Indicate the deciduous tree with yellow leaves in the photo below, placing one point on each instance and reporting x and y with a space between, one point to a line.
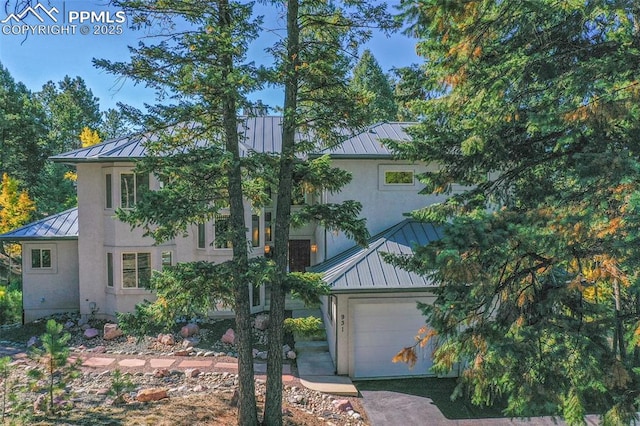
538 297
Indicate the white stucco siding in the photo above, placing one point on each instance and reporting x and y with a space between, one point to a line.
54 289
382 205
91 254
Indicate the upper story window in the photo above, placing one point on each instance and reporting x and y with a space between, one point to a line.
40 258
108 202
396 177
400 177
136 270
202 236
221 226
131 188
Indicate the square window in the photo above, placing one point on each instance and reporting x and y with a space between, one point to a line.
40 258
136 270
166 258
131 188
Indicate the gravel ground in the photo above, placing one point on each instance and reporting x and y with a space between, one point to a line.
91 387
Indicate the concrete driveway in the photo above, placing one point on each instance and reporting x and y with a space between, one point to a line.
395 407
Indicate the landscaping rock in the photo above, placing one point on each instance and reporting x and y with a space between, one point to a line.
111 331
291 355
146 395
190 342
34 341
166 339
91 333
161 372
229 337
343 405
191 373
189 330
261 322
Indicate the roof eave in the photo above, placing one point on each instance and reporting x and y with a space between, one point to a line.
52 238
383 290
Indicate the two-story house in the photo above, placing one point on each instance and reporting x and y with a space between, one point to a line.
86 260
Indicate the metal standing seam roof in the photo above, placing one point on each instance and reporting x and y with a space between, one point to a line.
369 142
261 134
364 269
61 226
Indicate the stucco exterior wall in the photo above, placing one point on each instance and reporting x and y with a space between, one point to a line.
47 291
382 205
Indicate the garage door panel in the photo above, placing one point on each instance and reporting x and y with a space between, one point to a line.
379 332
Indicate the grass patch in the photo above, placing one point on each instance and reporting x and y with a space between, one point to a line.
437 390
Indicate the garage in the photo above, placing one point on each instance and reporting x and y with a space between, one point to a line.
380 328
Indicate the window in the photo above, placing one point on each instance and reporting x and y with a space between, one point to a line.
40 258
399 177
298 196
201 236
255 296
131 188
222 231
255 230
136 270
166 259
109 269
109 192
332 308
268 227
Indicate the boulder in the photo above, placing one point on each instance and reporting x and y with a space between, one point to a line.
229 337
189 330
154 394
166 339
190 342
184 352
90 333
343 405
111 331
291 355
191 373
261 322
160 373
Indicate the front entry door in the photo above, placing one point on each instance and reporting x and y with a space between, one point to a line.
299 255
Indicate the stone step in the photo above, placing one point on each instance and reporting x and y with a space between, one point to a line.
312 346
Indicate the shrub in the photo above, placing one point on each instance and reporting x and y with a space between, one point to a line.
308 327
10 304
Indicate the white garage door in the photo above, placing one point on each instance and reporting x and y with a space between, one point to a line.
378 332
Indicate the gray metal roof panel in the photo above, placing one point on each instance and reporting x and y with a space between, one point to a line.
369 142
364 269
63 225
261 134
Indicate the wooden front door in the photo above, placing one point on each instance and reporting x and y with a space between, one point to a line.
299 255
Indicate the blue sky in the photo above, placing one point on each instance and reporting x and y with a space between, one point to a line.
38 58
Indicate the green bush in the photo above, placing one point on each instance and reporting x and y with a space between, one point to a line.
10 304
307 327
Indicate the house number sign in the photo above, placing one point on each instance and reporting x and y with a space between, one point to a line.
342 323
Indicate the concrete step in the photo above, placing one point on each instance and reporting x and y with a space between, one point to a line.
312 346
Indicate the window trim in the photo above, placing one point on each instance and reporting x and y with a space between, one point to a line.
383 169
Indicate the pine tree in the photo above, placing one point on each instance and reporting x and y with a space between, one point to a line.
537 289
370 82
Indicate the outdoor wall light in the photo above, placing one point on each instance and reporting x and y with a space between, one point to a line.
267 249
314 248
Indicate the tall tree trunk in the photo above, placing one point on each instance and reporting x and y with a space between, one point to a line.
247 411
273 404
